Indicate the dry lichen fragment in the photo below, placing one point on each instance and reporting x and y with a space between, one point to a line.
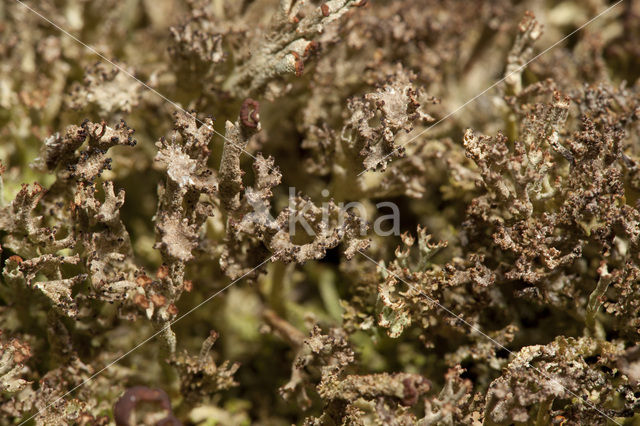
249 55
200 376
342 225
59 152
46 401
398 107
332 354
237 137
180 211
530 30
197 41
403 386
29 273
182 208
105 241
455 403
106 88
561 370
27 234
250 226
279 50
91 230
523 185
413 290
558 194
393 315
13 354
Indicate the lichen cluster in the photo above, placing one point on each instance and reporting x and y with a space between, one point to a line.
174 246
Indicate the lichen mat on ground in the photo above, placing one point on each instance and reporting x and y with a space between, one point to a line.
187 237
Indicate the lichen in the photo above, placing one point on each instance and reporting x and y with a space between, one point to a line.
407 212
